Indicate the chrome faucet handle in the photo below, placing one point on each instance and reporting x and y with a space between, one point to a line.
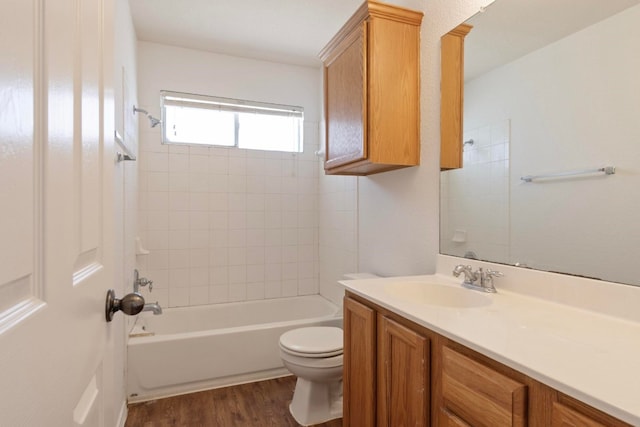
140 281
494 273
486 279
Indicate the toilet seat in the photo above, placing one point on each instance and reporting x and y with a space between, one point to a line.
313 342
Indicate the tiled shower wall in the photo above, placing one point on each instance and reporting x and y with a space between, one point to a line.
475 199
226 224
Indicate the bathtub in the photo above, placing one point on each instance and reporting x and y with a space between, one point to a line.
190 349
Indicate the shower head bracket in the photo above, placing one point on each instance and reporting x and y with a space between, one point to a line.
152 120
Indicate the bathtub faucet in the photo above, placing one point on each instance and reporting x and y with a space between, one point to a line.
152 306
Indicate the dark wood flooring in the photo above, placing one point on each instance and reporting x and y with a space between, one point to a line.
260 404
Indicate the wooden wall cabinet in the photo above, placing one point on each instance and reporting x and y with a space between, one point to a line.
416 377
452 97
372 91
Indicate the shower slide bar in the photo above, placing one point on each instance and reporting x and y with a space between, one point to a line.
607 170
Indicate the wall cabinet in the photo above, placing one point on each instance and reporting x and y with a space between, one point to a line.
452 97
417 377
372 91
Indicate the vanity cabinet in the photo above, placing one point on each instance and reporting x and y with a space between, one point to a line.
415 376
372 91
403 375
359 374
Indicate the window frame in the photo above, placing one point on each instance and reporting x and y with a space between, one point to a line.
237 106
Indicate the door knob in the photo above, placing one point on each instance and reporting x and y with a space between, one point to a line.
130 304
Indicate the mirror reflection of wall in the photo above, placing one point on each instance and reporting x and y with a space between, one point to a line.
572 103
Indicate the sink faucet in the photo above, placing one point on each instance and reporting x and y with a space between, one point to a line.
153 306
471 278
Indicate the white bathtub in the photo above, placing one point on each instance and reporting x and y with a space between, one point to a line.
197 348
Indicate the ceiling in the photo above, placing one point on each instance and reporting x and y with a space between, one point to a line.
289 31
509 29
294 31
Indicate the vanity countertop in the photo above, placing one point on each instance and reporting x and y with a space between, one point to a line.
591 356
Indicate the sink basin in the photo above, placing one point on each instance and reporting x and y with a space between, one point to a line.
437 295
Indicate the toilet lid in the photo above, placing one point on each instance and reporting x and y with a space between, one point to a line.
313 341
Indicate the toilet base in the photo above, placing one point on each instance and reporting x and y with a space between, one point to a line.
316 402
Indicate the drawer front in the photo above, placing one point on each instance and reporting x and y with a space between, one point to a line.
564 416
479 395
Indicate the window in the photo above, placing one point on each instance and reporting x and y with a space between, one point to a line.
208 120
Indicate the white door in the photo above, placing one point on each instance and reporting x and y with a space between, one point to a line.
56 211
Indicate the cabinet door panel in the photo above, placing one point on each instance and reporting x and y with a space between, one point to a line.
403 391
345 81
359 365
480 395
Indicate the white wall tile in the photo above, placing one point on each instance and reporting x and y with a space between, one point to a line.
178 278
178 163
237 274
199 277
178 220
218 294
157 220
178 181
238 292
226 224
289 288
219 276
199 163
255 291
178 258
157 181
273 289
178 297
198 295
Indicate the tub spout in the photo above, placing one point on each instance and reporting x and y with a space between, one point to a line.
152 306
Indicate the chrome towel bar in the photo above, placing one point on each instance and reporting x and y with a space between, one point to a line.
607 170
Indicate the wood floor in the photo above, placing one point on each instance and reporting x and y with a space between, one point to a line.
261 404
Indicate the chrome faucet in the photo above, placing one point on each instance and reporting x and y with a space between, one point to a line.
471 278
153 306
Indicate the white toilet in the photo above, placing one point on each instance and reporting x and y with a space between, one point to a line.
314 355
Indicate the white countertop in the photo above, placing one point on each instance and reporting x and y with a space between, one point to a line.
591 356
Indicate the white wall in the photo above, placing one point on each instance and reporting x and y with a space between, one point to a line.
572 106
398 211
224 224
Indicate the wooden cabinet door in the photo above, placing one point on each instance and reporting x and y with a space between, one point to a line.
345 92
403 377
359 380
451 97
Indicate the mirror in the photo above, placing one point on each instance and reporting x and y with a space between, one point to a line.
551 91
